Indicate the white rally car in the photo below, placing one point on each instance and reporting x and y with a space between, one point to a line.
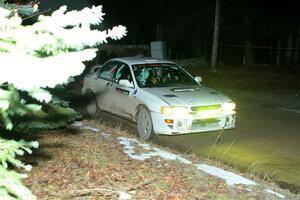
160 96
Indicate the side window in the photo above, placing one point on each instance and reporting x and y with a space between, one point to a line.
173 74
123 72
142 75
94 69
108 71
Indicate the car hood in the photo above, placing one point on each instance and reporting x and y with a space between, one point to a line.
188 96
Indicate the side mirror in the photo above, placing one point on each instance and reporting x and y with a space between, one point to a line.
198 79
126 83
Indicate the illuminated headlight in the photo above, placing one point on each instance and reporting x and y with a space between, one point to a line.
174 110
230 106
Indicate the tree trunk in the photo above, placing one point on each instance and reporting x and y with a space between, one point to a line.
158 31
278 54
297 47
248 43
270 62
134 25
214 55
288 55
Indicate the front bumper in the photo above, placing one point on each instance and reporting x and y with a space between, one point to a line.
191 123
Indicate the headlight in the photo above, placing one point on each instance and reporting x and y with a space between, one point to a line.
228 106
174 110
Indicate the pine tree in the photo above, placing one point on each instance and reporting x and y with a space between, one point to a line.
35 58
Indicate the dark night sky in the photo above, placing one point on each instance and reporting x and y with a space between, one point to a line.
199 13
187 26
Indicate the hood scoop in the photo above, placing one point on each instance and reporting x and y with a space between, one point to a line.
186 89
170 95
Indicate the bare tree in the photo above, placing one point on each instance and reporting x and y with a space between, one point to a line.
248 42
288 55
278 54
214 55
297 46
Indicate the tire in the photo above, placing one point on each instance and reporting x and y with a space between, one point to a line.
91 106
144 124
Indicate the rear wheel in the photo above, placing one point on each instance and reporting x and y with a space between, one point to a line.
144 124
91 106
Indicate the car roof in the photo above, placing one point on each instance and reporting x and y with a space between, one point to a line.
141 60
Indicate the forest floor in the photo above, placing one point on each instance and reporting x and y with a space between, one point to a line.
73 163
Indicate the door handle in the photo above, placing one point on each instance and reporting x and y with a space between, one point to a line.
108 84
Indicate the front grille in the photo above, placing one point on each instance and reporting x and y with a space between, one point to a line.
204 108
206 121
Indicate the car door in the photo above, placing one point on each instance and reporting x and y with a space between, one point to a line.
103 85
123 102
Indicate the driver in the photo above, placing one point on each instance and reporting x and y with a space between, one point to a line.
159 78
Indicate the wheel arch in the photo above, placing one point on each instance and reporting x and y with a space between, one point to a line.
90 97
89 90
138 108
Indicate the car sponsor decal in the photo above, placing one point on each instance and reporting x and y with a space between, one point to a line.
122 91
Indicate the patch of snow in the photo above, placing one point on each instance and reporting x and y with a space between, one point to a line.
289 110
91 129
81 126
276 193
124 196
145 146
229 177
170 156
77 124
129 150
105 135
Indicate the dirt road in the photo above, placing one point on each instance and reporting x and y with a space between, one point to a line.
265 143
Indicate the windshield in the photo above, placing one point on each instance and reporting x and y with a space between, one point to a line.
161 75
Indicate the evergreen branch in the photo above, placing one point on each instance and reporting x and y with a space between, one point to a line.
36 14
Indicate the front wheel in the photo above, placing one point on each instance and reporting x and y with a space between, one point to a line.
144 124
